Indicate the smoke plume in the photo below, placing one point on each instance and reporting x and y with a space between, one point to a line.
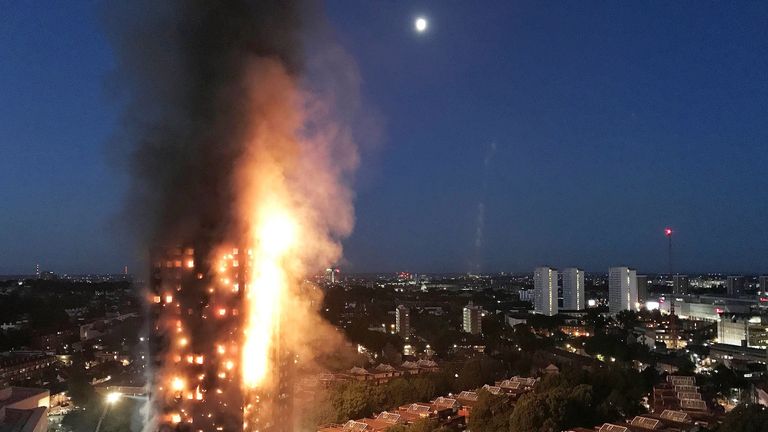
239 140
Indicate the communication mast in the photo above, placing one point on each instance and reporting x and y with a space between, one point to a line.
668 233
673 333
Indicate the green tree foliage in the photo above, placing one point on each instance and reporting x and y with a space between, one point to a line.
627 319
544 322
491 413
425 425
595 319
615 346
723 379
580 398
375 341
523 338
745 418
79 387
353 400
684 366
478 371
553 410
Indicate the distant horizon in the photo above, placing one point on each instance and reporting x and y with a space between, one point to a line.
393 273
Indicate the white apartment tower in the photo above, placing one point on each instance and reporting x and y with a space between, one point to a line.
622 289
473 319
403 321
545 291
573 289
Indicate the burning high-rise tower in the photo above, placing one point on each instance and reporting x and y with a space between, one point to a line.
242 170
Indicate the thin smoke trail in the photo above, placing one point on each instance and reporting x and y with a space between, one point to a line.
480 212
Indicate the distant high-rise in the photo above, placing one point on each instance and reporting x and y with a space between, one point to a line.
622 289
680 285
573 289
642 288
545 291
473 319
735 285
332 275
403 321
764 284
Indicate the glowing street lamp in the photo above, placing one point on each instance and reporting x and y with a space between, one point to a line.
111 399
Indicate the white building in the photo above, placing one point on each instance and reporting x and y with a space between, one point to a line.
744 330
573 289
403 321
622 289
545 291
526 295
473 316
24 409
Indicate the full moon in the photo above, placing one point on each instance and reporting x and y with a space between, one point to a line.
420 24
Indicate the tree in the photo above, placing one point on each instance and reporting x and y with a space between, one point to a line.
684 365
627 319
524 338
723 379
478 371
490 413
321 411
391 355
397 392
80 390
355 400
424 425
745 418
423 389
556 409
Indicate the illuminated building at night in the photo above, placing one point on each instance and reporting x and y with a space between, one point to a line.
573 289
744 330
680 285
545 291
622 289
403 321
472 319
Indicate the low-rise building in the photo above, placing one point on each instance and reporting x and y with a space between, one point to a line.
18 367
679 393
24 409
746 330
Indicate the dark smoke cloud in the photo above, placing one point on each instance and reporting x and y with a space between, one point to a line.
230 107
179 71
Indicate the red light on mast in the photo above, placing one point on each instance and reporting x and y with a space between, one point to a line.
667 232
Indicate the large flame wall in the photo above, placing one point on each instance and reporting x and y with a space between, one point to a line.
235 313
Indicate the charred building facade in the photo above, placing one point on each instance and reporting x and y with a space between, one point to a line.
197 320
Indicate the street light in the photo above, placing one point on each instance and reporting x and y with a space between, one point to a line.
111 399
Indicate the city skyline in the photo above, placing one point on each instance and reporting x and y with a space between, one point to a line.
628 127
325 216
